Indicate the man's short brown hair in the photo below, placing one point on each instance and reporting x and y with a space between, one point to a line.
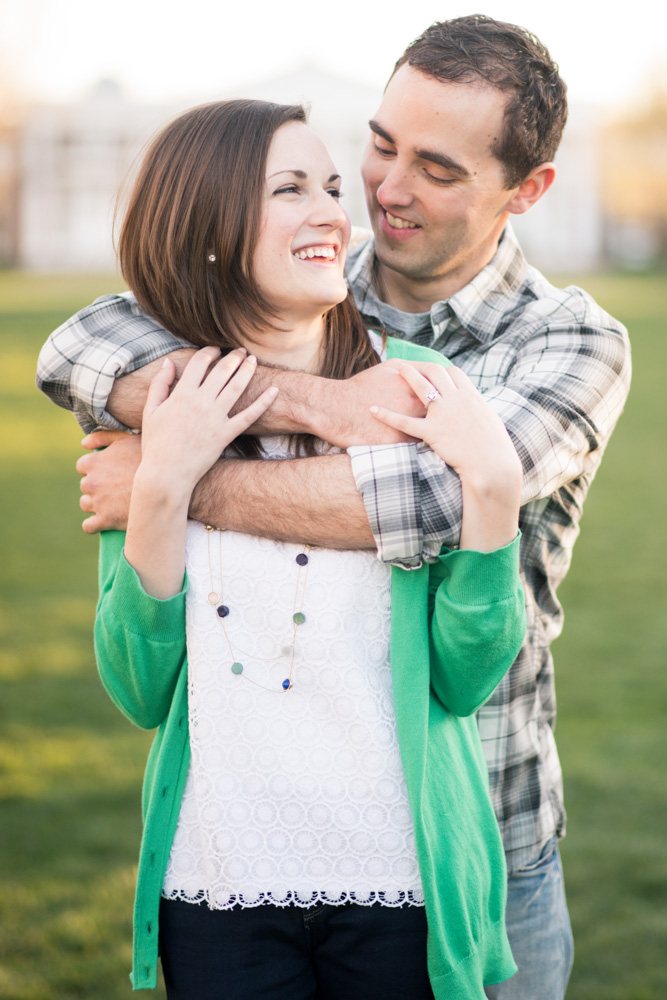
479 49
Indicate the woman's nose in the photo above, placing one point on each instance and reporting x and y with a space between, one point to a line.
329 212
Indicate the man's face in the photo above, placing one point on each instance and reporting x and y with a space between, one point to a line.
435 193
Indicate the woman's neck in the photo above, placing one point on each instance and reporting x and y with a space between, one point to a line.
289 345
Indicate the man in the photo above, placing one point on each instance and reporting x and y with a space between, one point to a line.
464 137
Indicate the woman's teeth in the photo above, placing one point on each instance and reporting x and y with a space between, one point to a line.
328 252
397 223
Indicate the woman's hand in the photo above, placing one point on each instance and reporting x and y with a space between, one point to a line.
183 435
471 438
184 432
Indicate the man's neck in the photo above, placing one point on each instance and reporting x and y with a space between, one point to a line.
418 295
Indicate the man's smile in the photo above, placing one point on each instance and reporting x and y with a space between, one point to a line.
397 223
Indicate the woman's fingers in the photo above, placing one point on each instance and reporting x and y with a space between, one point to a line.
241 421
225 370
194 372
229 391
417 382
458 377
158 390
411 426
427 377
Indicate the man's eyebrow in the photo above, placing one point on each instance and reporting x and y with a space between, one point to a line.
377 128
301 174
441 159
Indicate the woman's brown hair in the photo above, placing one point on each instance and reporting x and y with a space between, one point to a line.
198 193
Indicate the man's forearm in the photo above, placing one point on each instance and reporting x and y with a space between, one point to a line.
290 414
338 411
313 500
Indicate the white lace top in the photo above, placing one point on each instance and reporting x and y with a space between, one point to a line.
291 796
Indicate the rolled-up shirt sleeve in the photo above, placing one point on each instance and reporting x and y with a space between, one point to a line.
412 500
81 359
560 399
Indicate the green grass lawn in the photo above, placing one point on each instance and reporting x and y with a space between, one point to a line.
71 766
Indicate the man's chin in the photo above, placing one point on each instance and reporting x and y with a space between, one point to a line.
401 259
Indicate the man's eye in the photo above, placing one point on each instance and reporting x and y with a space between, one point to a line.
439 180
383 151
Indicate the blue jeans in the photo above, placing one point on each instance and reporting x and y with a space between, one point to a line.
292 953
538 927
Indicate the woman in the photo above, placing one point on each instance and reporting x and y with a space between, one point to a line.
309 805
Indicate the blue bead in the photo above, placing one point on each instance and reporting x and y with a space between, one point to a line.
302 559
223 610
287 684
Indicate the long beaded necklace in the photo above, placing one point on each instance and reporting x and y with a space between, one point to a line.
216 599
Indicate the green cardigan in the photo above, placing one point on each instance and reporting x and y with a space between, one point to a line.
456 627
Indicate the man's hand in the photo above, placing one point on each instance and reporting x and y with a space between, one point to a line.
107 479
341 409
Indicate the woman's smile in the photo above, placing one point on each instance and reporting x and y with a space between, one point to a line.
325 253
302 215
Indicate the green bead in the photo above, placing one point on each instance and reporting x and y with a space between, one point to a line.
299 618
237 668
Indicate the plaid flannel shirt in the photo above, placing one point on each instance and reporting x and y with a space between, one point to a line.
554 366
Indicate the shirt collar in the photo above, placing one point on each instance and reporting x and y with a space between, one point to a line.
480 306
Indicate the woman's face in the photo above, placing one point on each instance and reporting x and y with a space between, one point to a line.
300 253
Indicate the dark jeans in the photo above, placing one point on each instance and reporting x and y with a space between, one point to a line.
322 952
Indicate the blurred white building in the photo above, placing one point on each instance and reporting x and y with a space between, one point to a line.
72 159
564 231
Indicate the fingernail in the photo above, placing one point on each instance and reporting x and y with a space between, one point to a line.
84 441
374 409
165 362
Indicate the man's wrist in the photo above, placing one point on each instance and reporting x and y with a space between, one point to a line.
298 406
206 502
316 411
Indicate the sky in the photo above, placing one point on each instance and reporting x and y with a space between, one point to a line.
193 50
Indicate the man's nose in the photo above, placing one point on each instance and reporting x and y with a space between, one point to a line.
396 187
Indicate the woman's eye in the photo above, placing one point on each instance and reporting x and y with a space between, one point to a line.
288 189
335 193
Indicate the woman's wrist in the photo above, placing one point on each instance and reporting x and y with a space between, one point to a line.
490 510
162 487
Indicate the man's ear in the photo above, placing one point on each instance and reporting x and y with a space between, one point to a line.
531 190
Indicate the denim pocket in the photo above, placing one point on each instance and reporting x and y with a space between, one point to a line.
542 861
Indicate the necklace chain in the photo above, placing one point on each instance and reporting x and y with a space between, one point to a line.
216 599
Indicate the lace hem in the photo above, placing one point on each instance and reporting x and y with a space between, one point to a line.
397 897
